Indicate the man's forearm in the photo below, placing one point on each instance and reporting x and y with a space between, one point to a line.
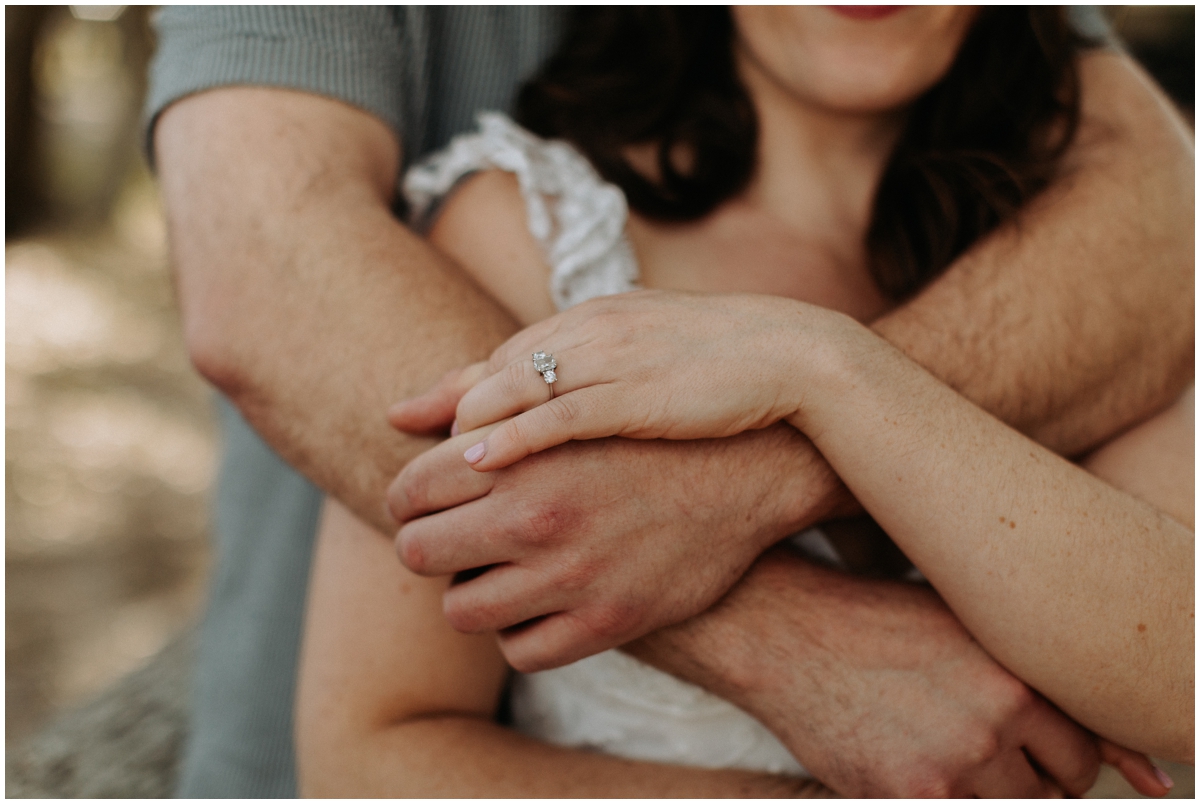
873 685
1077 320
304 300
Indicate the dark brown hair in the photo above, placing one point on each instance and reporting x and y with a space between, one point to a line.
979 144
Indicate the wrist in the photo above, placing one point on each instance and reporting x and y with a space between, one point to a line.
804 488
824 361
815 351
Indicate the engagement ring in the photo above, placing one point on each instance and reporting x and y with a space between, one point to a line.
545 364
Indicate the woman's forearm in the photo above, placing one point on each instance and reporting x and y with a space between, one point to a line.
470 757
392 702
1078 588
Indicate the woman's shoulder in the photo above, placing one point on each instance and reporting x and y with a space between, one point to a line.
497 143
575 218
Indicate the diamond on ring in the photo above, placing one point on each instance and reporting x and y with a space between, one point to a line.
545 365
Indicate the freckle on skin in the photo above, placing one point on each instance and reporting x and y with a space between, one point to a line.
1012 524
1141 626
1001 519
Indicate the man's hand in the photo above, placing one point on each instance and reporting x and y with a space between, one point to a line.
603 540
878 690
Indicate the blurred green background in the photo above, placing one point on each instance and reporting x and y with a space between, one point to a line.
109 433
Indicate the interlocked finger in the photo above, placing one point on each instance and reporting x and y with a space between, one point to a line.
462 538
575 416
515 388
434 409
1011 776
1064 750
437 480
550 642
1138 770
499 598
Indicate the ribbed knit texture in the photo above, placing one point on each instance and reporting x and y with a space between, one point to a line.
425 72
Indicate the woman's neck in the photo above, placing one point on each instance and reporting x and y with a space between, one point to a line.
835 159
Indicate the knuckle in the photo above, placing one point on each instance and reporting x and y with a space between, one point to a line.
980 747
1016 698
463 410
1083 767
575 575
927 781
545 522
514 379
940 787
410 551
414 491
565 409
513 432
397 503
1078 783
1019 694
1006 696
611 619
1083 778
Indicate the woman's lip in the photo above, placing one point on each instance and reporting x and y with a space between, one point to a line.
867 12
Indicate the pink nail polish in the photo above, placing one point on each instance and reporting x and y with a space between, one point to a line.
1166 780
454 428
475 453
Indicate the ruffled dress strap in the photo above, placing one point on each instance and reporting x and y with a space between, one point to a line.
577 217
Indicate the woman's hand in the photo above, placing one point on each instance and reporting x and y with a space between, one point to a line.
649 364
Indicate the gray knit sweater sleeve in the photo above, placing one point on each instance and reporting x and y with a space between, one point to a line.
352 53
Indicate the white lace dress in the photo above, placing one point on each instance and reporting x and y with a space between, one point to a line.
609 702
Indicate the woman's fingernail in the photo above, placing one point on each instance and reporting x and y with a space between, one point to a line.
1166 780
475 453
454 428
